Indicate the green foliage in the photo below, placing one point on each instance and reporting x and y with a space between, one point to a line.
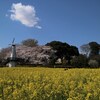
64 50
97 58
30 42
61 48
49 84
95 48
52 61
73 51
80 61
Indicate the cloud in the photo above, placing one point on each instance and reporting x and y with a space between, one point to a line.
39 27
25 14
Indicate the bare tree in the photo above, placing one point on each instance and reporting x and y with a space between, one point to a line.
30 42
85 49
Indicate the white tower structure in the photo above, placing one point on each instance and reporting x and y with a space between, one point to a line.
12 62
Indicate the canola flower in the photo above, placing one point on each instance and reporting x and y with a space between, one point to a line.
49 84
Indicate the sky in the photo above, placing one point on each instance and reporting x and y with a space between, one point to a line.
75 22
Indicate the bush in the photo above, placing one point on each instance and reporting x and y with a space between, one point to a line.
93 63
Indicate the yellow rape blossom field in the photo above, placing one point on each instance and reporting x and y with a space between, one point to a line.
49 84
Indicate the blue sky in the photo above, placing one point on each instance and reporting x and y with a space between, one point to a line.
75 22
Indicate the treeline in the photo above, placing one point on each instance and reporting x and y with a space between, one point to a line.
70 56
54 54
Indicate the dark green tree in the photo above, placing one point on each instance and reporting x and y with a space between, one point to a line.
95 48
63 50
74 51
79 61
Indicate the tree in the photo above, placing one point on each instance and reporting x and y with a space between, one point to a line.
3 54
63 50
93 63
37 55
90 49
80 61
95 48
74 51
30 42
97 58
85 49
